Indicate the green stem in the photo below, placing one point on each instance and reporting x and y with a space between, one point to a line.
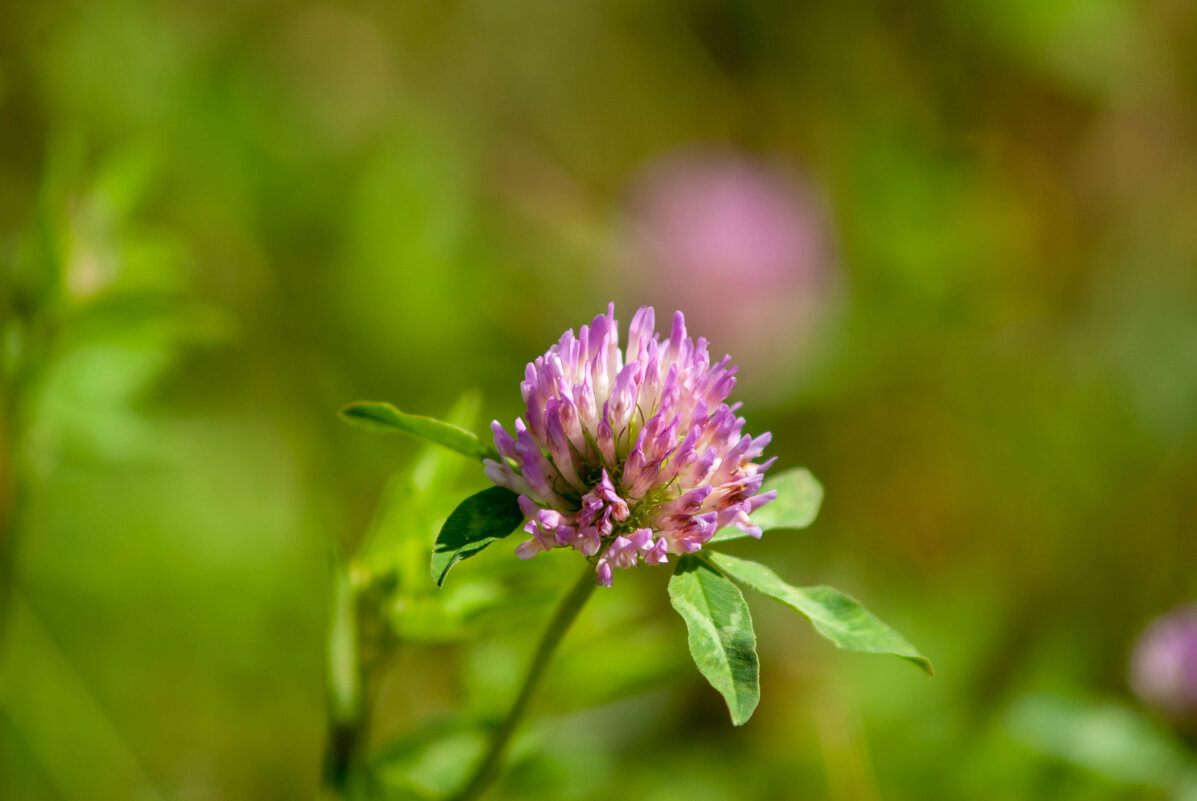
488 769
344 667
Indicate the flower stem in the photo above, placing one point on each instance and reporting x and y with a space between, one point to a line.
488 769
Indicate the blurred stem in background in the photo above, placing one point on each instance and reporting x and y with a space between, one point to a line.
359 642
24 333
9 499
567 612
8 492
346 710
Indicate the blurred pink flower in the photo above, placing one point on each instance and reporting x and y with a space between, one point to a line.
737 243
1164 665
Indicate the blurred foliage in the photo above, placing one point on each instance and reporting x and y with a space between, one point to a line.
219 222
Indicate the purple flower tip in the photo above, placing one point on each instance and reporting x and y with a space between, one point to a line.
629 454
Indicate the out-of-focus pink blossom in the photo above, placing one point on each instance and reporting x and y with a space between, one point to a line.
738 243
1164 665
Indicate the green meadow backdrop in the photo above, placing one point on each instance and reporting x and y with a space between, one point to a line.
952 245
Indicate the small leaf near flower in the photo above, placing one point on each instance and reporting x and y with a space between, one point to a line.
479 520
385 418
799 495
838 617
721 637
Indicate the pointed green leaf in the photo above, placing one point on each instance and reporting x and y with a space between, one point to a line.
383 417
838 617
479 520
799 495
722 641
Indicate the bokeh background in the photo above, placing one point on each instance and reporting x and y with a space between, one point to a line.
951 243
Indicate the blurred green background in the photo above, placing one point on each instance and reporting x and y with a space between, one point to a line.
952 243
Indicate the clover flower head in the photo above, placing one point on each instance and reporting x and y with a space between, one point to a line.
629 455
1164 665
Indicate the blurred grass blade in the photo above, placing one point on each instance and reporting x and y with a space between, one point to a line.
62 723
479 520
799 495
384 417
721 638
838 617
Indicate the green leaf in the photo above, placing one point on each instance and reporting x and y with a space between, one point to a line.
1105 737
383 417
838 617
428 762
799 495
479 520
722 641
